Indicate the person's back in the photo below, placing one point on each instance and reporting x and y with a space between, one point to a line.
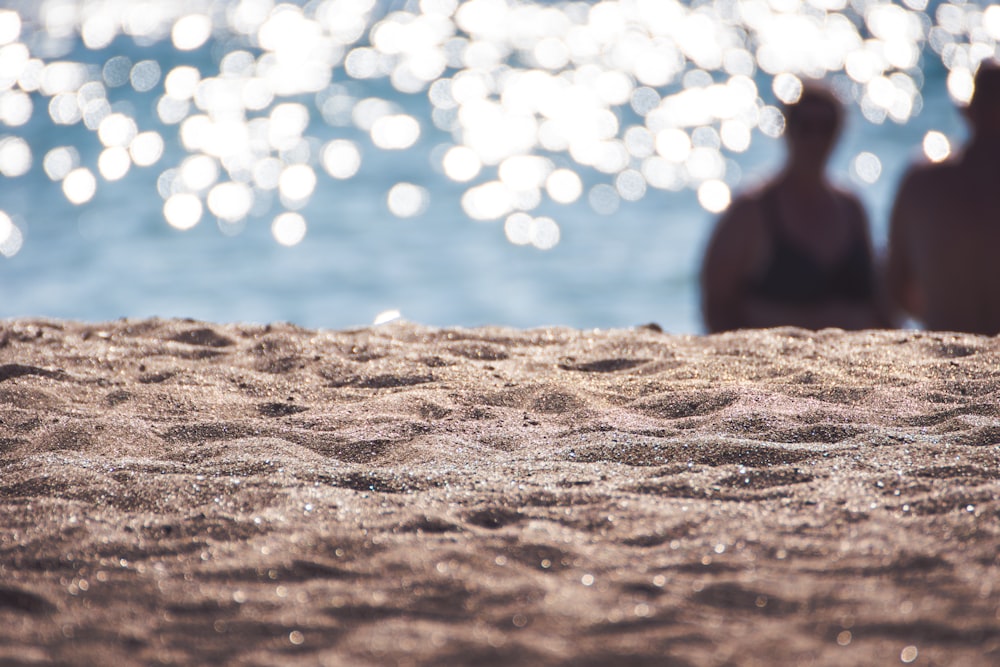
945 229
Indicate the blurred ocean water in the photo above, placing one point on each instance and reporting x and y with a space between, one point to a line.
465 163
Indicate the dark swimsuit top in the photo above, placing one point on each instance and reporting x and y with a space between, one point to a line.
793 276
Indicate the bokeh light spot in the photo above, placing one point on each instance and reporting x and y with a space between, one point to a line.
288 121
146 149
267 173
544 233
116 71
714 196
15 108
673 144
490 201
15 157
117 129
10 26
199 172
114 163
936 146
182 82
787 87
991 21
64 109
517 228
735 135
11 238
171 110
631 185
79 186
461 164
961 85
407 200
524 172
866 167
564 186
183 211
145 75
230 201
289 229
60 161
604 199
772 122
296 183
341 158
395 132
191 32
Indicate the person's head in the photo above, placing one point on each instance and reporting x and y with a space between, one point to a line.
983 112
812 124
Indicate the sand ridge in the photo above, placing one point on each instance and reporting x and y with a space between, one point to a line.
180 492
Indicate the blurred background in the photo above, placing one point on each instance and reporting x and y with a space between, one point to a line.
336 162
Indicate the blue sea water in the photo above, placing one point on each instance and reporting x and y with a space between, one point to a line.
115 256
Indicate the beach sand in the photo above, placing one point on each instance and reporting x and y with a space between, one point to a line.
176 492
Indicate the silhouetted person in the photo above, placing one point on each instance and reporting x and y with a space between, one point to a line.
944 236
798 250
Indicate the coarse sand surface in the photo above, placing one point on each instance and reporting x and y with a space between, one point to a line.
179 492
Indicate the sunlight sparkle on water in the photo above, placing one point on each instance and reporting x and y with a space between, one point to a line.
936 146
866 167
114 163
183 211
714 196
787 87
145 75
406 200
15 108
199 172
564 186
604 199
522 229
191 31
182 82
490 201
11 238
289 229
461 164
535 100
296 184
117 130
10 26
15 157
79 186
517 228
60 161
395 132
146 148
341 158
230 201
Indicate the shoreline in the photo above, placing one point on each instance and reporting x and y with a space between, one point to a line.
185 492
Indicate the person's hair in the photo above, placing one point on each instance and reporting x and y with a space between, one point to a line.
815 94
